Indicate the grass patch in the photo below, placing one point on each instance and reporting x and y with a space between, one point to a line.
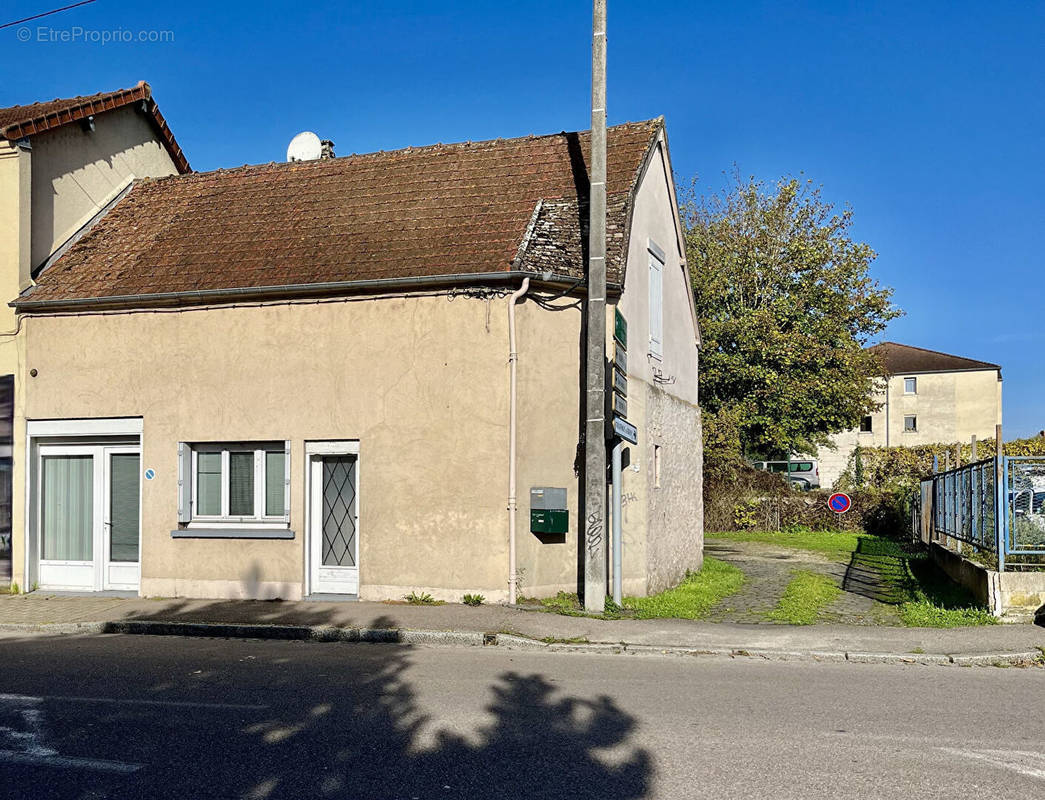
805 596
694 597
931 600
571 640
908 579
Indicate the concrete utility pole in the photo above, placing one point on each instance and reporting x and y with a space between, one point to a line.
594 535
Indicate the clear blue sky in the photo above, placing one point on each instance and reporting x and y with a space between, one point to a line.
927 118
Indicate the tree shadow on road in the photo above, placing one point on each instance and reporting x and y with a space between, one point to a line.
299 720
369 739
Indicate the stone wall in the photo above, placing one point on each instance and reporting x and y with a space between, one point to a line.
675 538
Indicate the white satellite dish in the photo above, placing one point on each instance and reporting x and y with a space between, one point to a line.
304 147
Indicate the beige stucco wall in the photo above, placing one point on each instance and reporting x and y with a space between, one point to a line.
950 407
15 182
76 172
48 191
549 416
421 383
670 516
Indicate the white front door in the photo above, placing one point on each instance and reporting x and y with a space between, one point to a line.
121 527
89 517
334 523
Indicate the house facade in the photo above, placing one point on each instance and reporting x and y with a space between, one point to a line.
292 380
928 397
62 163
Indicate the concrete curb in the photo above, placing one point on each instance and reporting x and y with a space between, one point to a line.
326 633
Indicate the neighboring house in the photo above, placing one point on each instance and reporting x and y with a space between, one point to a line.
927 398
62 163
308 363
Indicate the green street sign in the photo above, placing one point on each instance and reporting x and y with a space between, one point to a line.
620 327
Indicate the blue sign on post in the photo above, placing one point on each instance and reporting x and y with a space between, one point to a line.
839 502
150 474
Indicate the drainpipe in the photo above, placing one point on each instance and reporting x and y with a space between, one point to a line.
617 513
513 357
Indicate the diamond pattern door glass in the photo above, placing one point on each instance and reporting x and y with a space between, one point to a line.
339 511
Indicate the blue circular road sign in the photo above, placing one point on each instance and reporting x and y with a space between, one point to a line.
839 502
150 474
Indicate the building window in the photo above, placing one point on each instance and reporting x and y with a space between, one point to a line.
656 466
910 386
656 306
910 423
243 482
866 424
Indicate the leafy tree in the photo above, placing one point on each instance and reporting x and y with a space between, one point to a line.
786 308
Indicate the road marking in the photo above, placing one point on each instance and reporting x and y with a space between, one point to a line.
18 698
26 739
1015 760
65 762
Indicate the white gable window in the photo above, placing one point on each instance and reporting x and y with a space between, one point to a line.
240 482
656 301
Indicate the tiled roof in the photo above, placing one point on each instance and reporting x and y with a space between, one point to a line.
470 208
901 358
18 122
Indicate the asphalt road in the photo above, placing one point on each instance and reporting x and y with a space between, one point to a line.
158 717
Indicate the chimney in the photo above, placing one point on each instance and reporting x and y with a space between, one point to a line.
328 149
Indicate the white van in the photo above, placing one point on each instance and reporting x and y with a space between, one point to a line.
805 472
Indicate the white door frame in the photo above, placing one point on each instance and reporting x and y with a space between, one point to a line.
97 438
40 432
84 576
314 452
120 575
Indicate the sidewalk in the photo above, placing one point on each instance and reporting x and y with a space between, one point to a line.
513 627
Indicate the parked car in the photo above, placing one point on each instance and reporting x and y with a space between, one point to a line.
804 473
1026 501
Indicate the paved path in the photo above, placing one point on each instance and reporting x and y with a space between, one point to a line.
769 568
113 717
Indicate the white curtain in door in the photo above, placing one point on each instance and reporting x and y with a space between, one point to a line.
67 508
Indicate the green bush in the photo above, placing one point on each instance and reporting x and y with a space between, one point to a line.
423 599
901 469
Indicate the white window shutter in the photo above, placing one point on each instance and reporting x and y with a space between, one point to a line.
184 482
286 481
656 307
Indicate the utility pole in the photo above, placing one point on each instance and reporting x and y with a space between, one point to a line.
594 535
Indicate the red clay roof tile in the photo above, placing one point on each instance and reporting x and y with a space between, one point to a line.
904 358
421 212
17 122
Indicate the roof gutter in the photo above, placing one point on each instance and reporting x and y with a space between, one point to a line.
293 291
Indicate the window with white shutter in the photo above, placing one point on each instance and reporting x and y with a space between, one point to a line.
656 306
240 482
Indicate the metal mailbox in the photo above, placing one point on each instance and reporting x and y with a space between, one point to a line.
548 511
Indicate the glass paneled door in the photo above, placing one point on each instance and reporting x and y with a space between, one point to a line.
334 523
89 524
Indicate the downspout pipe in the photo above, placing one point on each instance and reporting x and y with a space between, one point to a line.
513 358
617 516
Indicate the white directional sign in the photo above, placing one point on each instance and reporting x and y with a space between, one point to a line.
625 430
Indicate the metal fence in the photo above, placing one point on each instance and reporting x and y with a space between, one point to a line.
1025 505
967 506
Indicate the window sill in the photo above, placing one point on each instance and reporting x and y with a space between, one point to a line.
232 533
